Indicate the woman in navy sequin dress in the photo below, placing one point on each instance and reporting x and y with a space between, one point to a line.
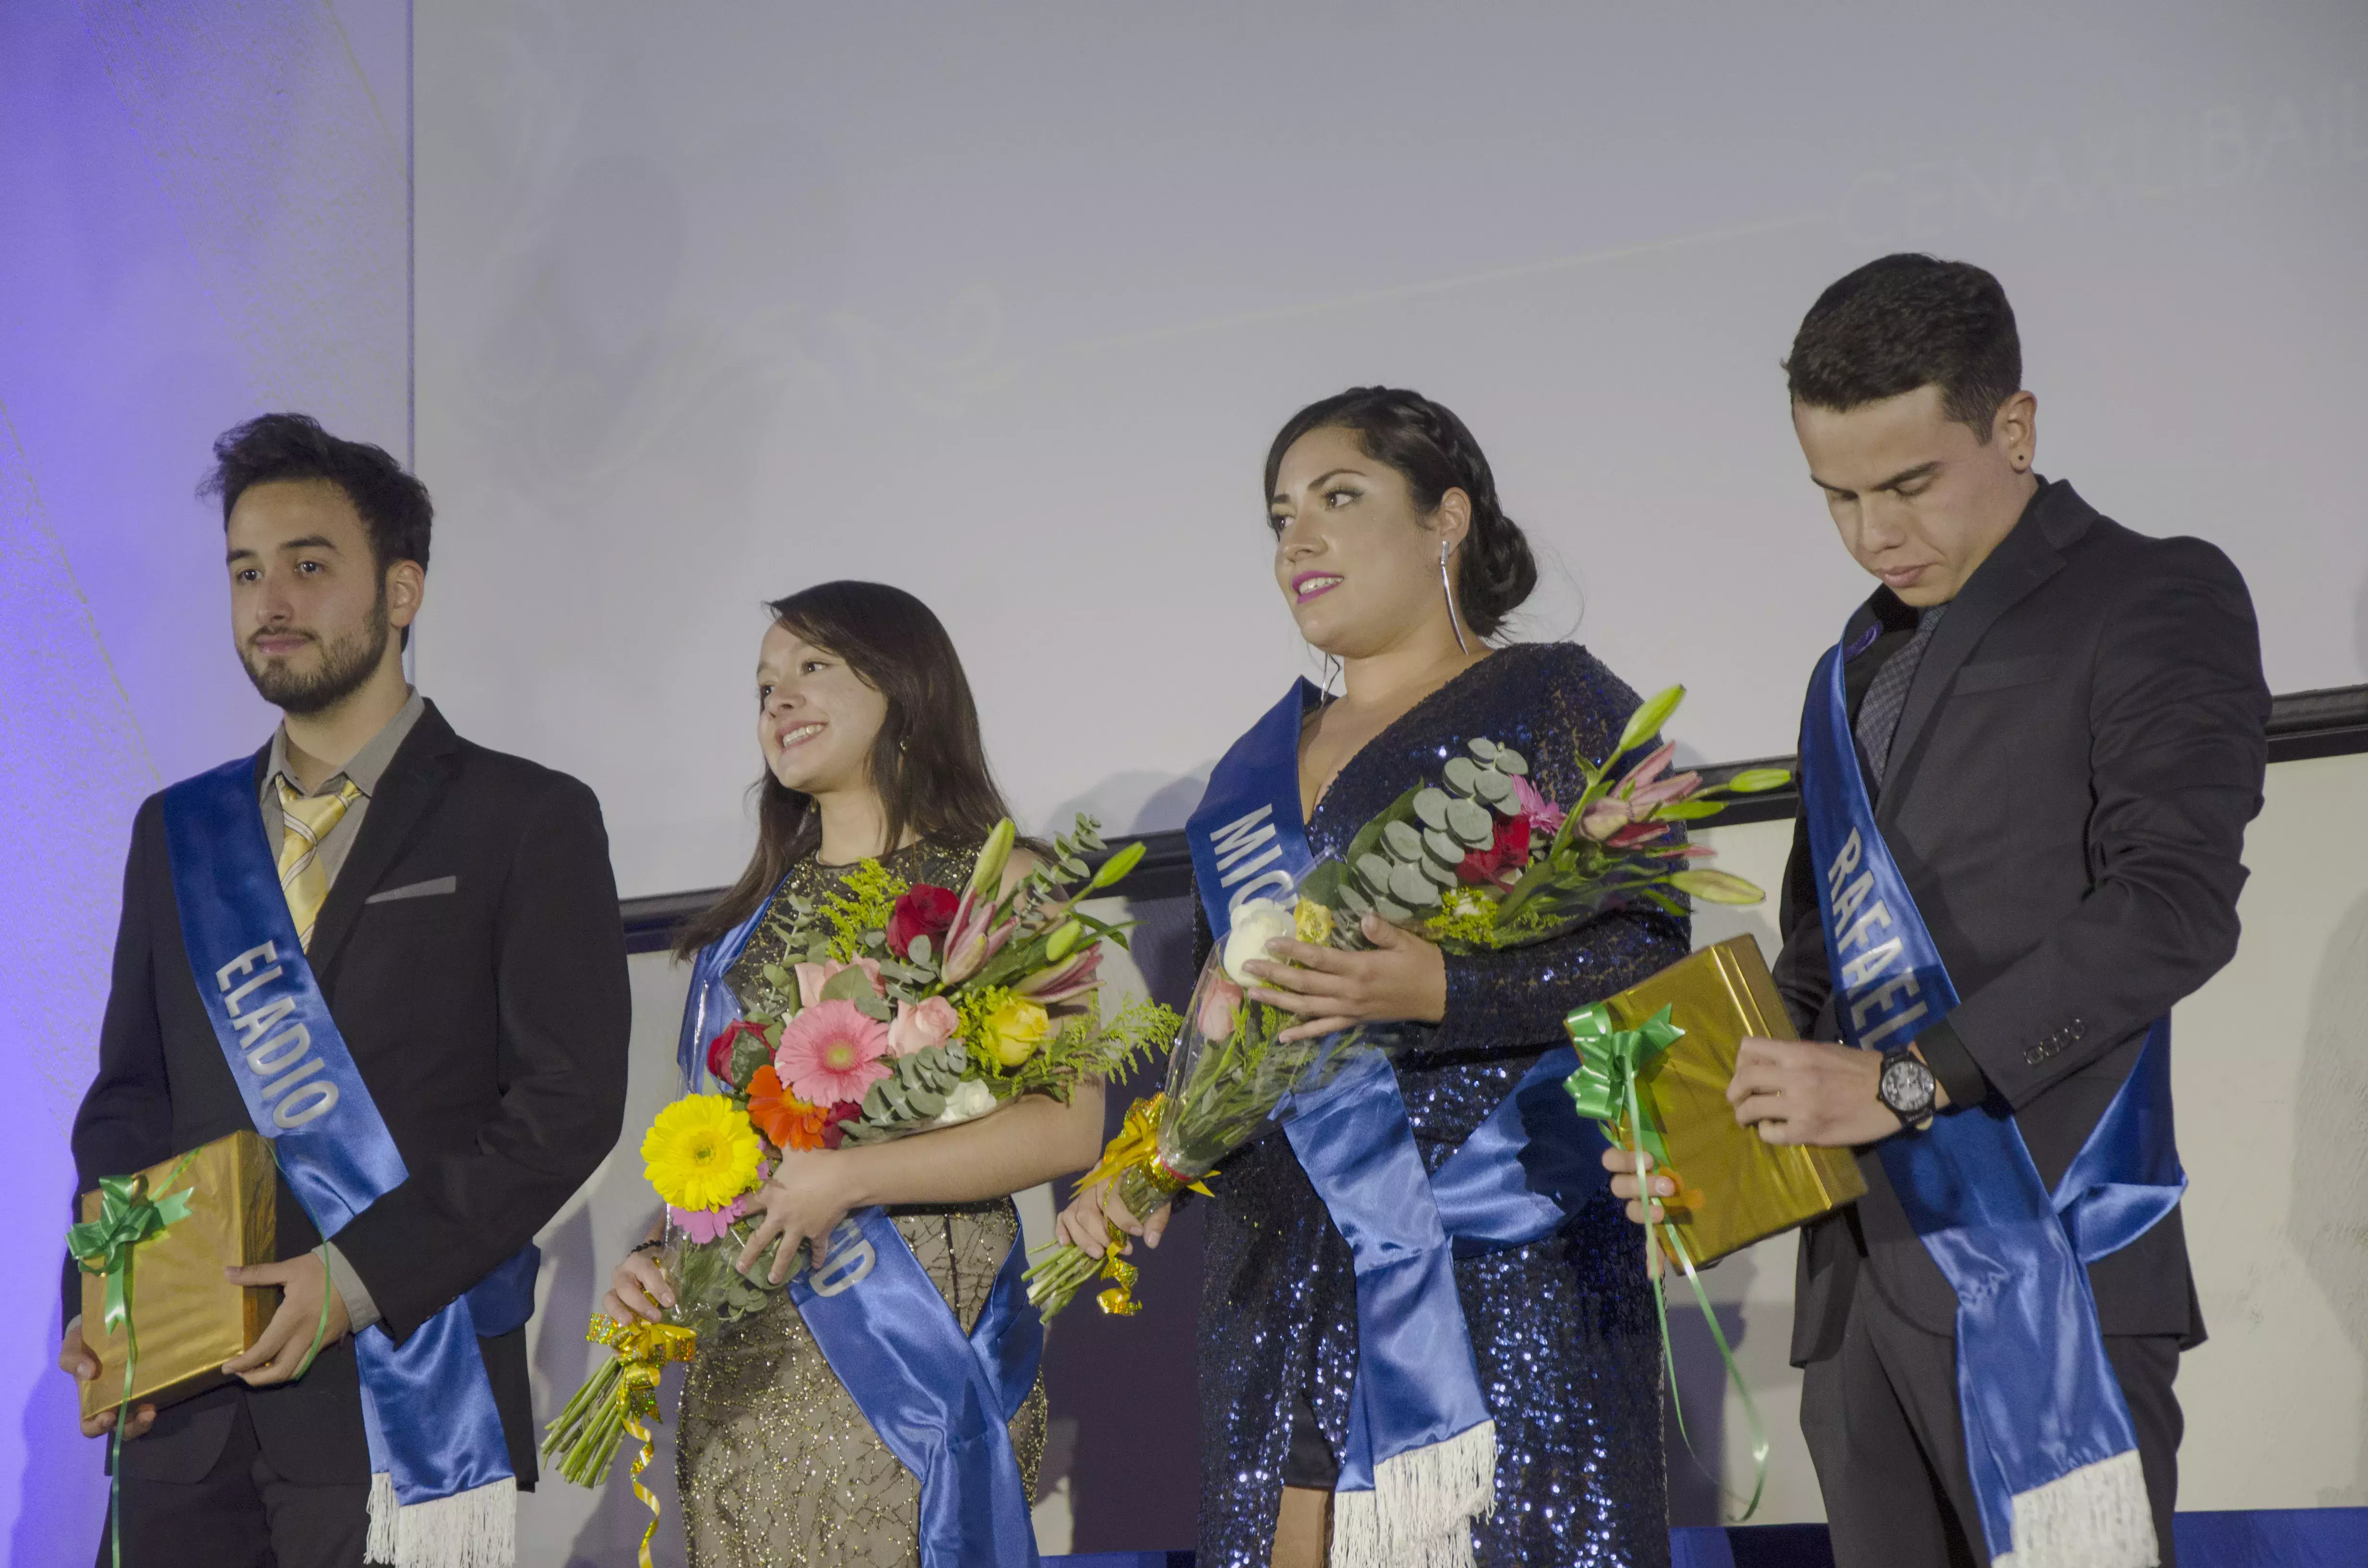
1377 497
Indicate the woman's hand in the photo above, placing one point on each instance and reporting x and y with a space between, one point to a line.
1096 1210
803 1202
1402 978
1628 1183
638 1289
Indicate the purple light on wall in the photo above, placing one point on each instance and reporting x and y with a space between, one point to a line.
207 215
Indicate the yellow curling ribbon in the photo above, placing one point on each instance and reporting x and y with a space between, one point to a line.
1118 1300
1136 1148
643 1351
1604 1090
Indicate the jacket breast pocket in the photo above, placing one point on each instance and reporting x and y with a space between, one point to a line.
1997 674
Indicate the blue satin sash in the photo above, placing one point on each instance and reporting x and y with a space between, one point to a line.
941 1401
2038 1397
1515 1180
427 1406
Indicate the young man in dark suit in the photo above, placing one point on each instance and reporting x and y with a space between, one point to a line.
457 909
2059 724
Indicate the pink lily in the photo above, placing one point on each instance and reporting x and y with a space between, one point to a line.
971 940
1062 981
1636 833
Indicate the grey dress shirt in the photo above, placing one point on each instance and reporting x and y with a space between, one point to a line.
366 768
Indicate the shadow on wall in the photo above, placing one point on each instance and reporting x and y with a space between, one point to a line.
1125 1431
2330 1178
63 1489
1695 1454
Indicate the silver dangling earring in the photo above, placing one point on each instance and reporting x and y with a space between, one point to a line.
1448 589
1331 673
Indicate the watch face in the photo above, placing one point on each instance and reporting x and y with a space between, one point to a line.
1907 1086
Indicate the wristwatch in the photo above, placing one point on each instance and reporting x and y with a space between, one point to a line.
1907 1087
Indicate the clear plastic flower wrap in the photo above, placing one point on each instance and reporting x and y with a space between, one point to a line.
1229 1073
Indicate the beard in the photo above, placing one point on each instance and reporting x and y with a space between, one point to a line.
346 663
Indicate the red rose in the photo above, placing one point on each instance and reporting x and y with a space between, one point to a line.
719 1051
834 1127
924 910
1510 852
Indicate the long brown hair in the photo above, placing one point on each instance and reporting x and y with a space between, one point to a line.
927 761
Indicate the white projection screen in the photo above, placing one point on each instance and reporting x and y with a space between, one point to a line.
1003 303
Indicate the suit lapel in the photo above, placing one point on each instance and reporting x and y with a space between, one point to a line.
2023 559
423 765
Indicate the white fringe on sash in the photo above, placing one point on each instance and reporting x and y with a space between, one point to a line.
1420 1513
477 1528
2096 1516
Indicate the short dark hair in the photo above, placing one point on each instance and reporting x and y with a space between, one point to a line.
1434 452
393 506
1905 321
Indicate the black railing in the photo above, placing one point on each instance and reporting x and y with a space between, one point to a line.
2302 724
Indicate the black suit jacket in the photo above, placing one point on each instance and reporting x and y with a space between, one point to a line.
489 1022
2067 797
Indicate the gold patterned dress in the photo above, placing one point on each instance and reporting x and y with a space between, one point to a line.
775 1464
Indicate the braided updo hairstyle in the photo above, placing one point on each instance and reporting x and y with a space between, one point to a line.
1429 446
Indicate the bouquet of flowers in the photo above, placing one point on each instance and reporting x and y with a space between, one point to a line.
909 1009
1478 860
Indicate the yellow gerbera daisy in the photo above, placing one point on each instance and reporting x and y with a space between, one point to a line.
701 1152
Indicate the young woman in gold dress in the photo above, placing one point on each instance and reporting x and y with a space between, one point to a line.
872 751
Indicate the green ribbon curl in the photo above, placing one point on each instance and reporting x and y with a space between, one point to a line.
1604 1090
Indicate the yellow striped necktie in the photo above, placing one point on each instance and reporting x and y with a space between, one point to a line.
305 820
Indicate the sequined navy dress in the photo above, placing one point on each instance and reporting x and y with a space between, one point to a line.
1563 1329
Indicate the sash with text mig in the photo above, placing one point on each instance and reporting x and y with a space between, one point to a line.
2048 1436
442 1492
939 1399
1421 1458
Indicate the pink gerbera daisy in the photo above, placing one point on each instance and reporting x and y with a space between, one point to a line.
831 1052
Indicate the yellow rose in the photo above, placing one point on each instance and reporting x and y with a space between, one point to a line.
1014 1029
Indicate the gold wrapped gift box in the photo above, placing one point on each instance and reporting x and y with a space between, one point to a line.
191 1320
1733 1189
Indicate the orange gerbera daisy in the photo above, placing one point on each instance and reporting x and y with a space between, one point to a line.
780 1116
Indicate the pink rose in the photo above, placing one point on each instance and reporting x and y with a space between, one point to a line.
812 977
1219 1001
918 1028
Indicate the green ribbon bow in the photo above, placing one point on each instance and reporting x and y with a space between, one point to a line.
1604 1090
106 1247
127 1216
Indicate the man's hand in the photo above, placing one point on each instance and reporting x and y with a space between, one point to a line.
803 1202
1402 977
288 1338
1804 1091
75 1357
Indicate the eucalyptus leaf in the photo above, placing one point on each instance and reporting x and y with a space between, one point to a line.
1403 841
1375 872
1470 823
1395 914
924 1104
1411 887
1431 807
1444 875
1511 763
873 1006
1352 901
1491 786
1482 747
920 948
849 984
1459 773
1443 845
